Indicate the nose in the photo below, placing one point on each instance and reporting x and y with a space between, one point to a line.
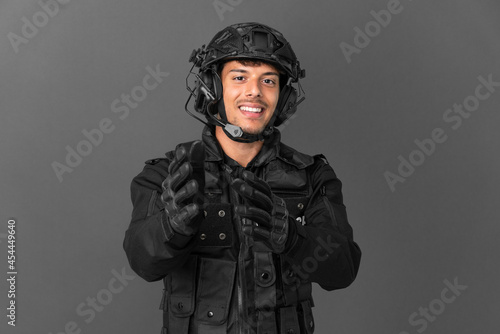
253 88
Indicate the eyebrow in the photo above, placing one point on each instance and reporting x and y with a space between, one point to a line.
245 71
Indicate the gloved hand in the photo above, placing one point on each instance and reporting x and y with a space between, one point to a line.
183 189
266 214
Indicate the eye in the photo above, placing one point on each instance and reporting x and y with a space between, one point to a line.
269 81
239 78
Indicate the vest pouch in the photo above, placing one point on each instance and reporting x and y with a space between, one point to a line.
295 205
292 185
265 277
215 287
181 290
295 289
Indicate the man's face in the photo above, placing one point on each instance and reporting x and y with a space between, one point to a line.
250 94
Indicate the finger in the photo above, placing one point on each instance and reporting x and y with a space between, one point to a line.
247 226
170 194
171 208
236 184
256 183
187 191
179 157
256 197
257 215
261 233
184 221
253 196
188 213
167 194
175 180
278 238
279 225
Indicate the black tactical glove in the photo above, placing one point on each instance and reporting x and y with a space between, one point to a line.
266 213
183 189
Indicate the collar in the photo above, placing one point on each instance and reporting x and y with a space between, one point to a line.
269 151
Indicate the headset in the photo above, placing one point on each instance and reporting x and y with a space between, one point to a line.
245 41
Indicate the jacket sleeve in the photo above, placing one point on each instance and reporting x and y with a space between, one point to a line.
152 248
324 250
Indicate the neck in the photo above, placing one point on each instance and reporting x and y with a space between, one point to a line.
242 153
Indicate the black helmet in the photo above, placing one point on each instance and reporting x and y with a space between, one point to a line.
254 41
245 41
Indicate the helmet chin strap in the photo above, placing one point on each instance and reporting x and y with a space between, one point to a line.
234 132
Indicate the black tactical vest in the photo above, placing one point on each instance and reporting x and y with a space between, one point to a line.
231 284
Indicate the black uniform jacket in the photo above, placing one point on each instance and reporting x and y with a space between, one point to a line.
221 281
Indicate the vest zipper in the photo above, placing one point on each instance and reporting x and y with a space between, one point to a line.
240 305
328 205
234 198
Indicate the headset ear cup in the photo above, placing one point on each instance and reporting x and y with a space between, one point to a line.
217 84
202 100
213 83
286 106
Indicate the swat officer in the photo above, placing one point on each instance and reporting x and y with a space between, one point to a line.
238 225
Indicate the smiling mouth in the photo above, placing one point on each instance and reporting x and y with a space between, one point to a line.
250 109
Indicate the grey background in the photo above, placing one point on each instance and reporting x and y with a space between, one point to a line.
440 224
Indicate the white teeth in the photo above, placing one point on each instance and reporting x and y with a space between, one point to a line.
243 108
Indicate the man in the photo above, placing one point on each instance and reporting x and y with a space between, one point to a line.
239 225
